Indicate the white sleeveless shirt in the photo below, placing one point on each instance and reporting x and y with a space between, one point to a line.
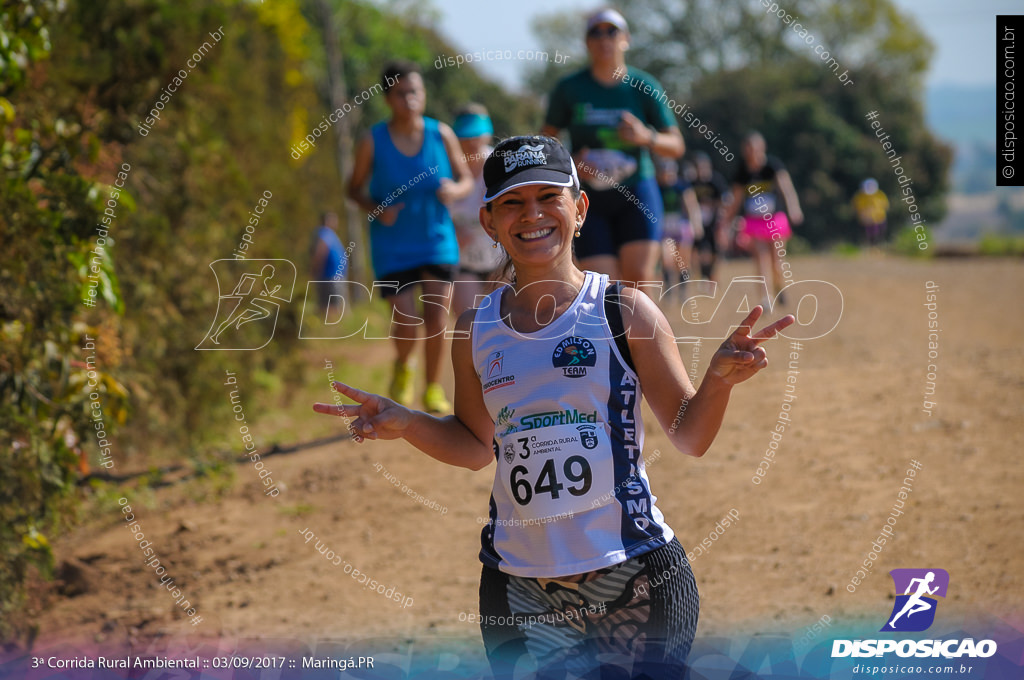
570 492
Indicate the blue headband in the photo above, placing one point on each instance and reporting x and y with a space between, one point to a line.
470 125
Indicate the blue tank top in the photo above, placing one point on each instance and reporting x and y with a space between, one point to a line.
423 233
335 266
570 492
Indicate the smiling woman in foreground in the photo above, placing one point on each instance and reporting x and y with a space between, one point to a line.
549 375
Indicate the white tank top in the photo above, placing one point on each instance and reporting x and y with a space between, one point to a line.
476 249
570 491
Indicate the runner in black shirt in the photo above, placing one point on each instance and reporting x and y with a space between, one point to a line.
761 181
712 194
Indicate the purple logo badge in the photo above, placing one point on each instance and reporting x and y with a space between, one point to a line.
916 590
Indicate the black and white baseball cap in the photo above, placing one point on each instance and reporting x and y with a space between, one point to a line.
518 161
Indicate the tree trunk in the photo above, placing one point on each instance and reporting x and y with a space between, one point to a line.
355 232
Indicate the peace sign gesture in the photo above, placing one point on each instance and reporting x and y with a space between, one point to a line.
376 417
741 355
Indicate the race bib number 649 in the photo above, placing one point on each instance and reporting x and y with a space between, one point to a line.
556 470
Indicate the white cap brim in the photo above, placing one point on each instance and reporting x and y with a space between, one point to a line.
607 16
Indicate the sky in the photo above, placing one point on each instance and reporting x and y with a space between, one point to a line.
963 32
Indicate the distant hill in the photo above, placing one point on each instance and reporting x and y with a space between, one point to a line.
965 115
962 114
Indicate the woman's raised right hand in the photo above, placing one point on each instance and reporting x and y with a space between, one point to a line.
376 417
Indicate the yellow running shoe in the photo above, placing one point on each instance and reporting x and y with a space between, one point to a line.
434 399
401 389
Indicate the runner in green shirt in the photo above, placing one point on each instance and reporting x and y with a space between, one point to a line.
616 116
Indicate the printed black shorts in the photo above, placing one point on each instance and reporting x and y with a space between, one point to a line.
639 616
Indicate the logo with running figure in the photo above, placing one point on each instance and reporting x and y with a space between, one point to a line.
526 155
914 610
574 355
253 303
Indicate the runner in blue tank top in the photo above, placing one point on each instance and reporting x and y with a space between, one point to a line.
415 170
329 262
580 568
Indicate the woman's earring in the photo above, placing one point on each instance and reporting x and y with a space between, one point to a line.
494 244
579 226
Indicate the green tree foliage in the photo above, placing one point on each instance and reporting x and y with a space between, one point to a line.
77 80
70 126
562 31
47 212
737 68
371 37
220 142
